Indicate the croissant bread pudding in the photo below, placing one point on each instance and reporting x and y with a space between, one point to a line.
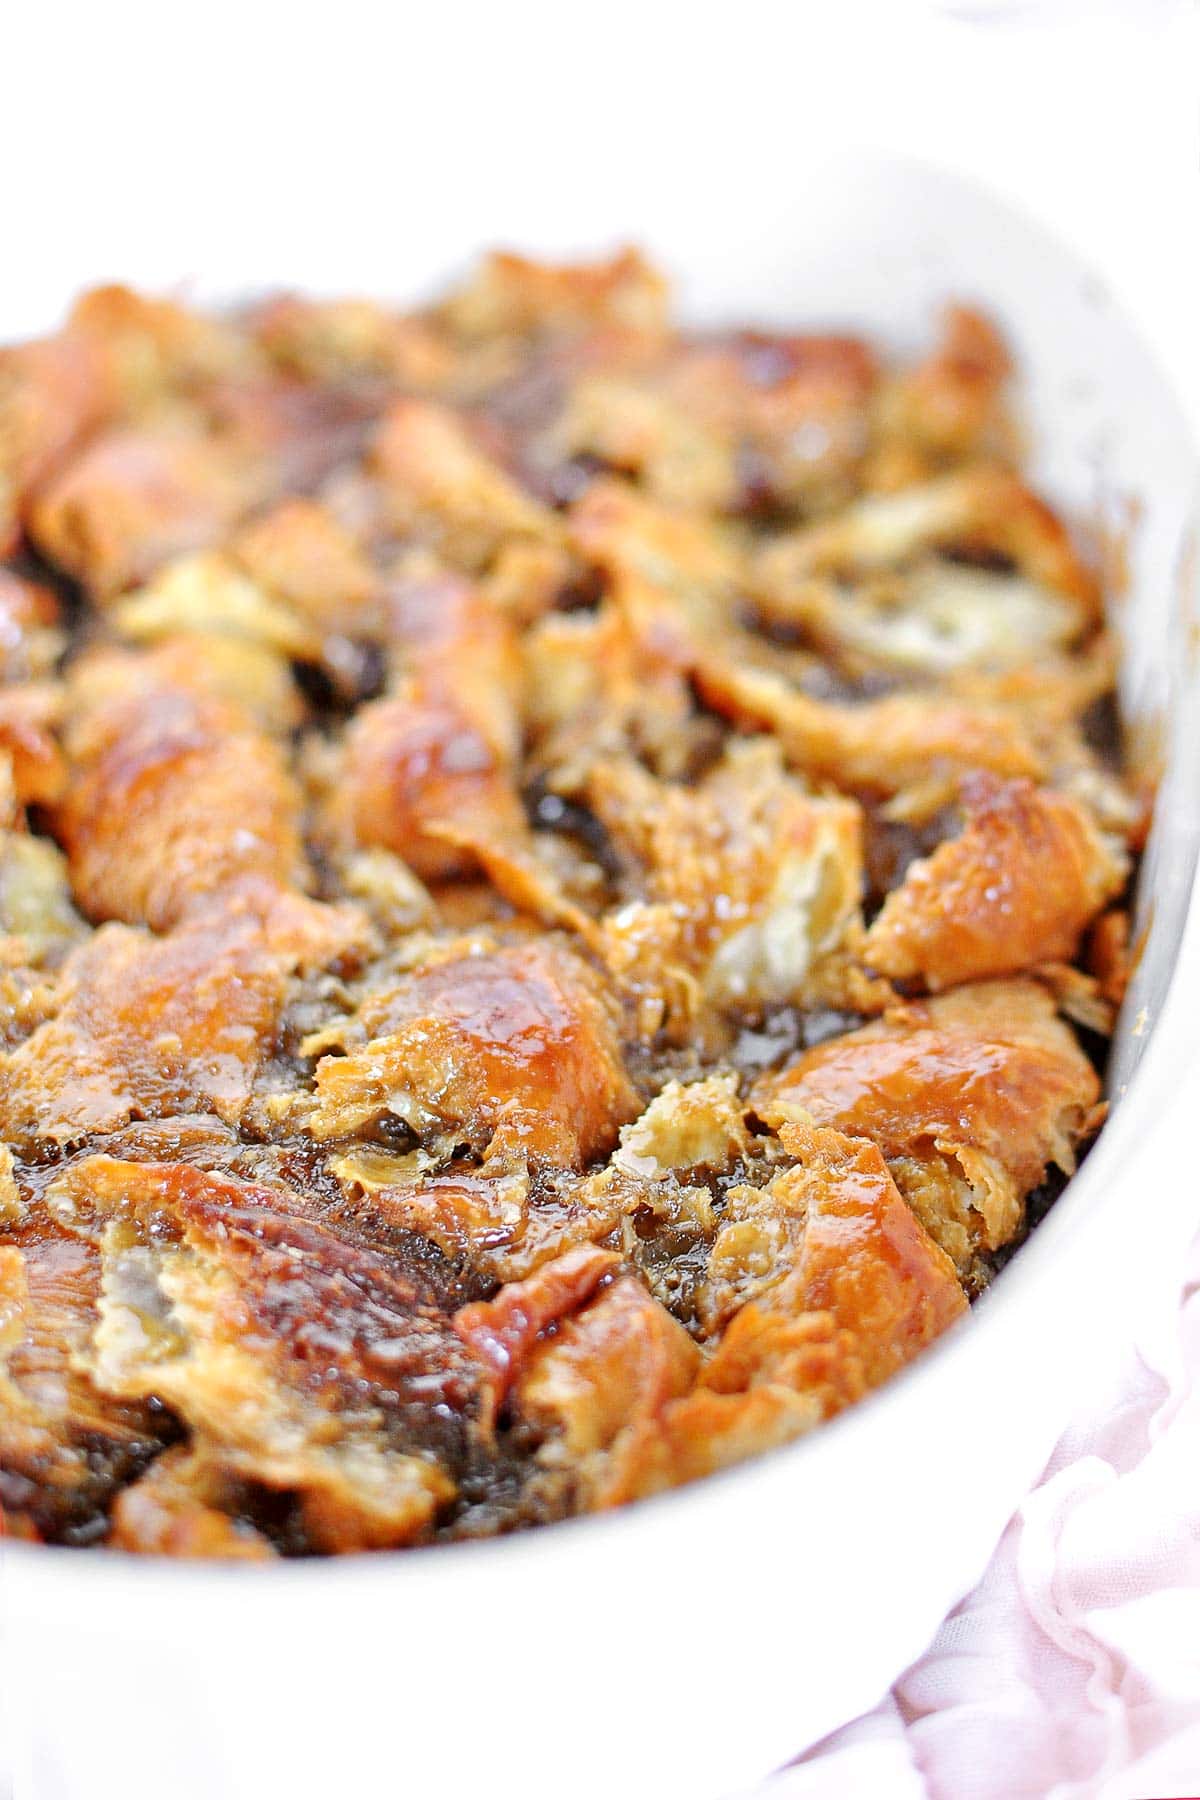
562 884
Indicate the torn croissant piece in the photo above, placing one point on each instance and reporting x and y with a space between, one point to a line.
174 791
412 766
153 347
518 1044
689 1129
681 550
437 754
658 1194
936 619
1058 688
630 425
479 1215
184 1507
499 1220
441 485
448 636
52 393
863 1291
1017 887
763 878
510 860
502 1332
36 911
882 747
952 403
132 499
855 1290
598 1390
613 683
350 340
299 1359
653 1197
512 296
863 1258
981 509
971 1097
28 989
66 1447
303 556
147 1027
206 592
528 579
244 671
794 408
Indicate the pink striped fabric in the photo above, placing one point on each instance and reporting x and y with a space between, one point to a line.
1073 1669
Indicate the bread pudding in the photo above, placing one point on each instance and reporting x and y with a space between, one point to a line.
563 887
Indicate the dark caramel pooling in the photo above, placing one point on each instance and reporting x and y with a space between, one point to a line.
551 869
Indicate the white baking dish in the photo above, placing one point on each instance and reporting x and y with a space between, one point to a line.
697 1640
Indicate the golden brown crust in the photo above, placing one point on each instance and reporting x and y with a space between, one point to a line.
865 1260
263 1327
753 880
514 1048
860 1292
1016 888
131 499
175 794
880 747
502 1332
441 748
970 1097
350 339
149 1027
599 1389
791 410
981 509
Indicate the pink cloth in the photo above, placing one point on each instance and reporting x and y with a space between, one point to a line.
1073 1669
